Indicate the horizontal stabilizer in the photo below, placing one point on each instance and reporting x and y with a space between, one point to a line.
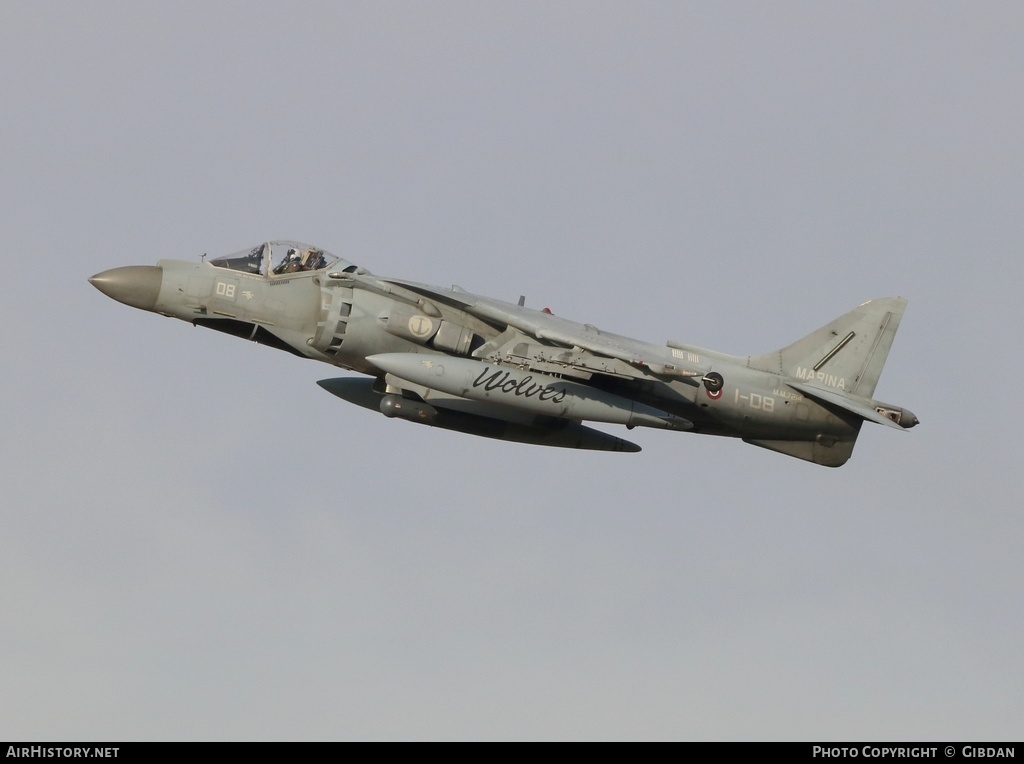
856 406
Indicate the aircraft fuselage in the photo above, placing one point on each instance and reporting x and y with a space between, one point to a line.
474 364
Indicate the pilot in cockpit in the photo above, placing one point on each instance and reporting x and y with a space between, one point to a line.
291 263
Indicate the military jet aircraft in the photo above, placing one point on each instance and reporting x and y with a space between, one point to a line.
451 359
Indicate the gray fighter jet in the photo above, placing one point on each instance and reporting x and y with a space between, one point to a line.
448 358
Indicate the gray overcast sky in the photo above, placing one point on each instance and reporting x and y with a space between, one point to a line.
200 543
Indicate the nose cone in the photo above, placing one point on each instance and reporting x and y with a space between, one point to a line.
135 285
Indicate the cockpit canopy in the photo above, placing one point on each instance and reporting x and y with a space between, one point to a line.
277 258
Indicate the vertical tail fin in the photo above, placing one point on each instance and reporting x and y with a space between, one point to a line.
846 354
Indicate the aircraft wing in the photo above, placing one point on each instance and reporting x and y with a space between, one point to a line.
459 414
636 358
